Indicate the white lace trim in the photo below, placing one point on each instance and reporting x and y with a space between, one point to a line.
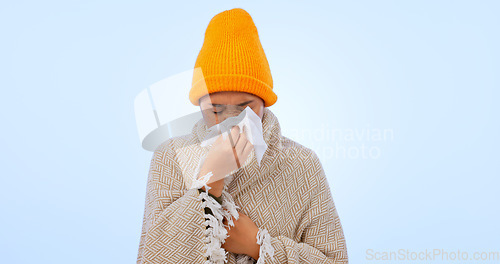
266 248
216 232
230 208
202 181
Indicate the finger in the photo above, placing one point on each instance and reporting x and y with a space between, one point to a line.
219 138
246 151
235 135
223 138
237 158
242 143
234 138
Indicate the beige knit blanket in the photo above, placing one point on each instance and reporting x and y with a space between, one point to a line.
288 197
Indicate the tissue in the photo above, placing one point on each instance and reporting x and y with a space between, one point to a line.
247 118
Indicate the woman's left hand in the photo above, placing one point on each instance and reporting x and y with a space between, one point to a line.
242 237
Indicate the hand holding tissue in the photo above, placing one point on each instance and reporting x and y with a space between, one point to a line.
247 119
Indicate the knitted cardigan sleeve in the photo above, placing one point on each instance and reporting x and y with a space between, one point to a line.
174 228
172 214
217 208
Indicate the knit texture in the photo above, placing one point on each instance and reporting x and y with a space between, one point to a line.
232 59
287 197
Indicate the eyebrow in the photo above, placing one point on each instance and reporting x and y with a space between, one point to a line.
242 104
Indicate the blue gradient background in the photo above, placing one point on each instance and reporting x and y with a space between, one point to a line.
73 173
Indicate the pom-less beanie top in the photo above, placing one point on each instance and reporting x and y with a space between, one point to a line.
232 59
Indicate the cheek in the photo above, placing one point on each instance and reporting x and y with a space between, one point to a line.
209 118
258 109
212 119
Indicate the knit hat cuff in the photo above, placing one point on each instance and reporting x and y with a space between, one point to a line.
232 82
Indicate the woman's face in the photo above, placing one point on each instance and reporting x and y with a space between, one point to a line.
216 107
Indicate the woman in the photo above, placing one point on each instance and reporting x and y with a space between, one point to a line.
278 211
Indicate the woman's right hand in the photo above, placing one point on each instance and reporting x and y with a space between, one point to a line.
222 158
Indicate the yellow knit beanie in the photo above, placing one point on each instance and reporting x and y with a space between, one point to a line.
232 59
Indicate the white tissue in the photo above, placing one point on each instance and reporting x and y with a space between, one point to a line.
247 118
